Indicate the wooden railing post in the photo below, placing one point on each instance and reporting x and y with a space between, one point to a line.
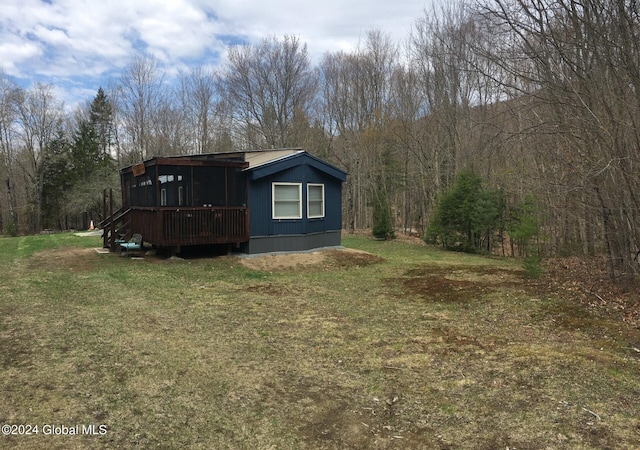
112 225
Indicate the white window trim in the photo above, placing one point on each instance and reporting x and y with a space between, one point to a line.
273 200
163 197
309 201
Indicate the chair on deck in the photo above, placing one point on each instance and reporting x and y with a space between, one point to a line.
134 246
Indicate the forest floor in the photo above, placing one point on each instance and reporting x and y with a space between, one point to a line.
587 281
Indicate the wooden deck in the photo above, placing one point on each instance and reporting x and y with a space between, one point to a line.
168 227
174 227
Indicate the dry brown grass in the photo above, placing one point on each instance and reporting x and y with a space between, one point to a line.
326 258
394 346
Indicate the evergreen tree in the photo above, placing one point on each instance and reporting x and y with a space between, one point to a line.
87 152
466 215
383 221
91 162
382 216
58 178
94 171
523 225
101 118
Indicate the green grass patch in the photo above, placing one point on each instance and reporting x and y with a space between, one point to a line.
409 347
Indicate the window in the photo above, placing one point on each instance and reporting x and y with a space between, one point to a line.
287 200
315 200
163 197
180 196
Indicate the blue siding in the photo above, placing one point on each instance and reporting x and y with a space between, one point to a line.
305 171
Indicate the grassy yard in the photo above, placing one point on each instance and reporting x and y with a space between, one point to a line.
411 348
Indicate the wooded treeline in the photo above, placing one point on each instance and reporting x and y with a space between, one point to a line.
539 98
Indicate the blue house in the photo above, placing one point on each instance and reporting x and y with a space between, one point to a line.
295 201
257 201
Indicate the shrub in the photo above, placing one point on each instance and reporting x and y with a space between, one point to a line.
382 217
466 215
532 267
11 229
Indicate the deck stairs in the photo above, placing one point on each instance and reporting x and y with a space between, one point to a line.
116 229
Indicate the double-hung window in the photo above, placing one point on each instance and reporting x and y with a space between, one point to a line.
315 201
287 200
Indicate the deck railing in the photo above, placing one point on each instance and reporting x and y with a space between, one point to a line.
191 226
114 227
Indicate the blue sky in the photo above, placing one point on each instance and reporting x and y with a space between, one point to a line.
80 45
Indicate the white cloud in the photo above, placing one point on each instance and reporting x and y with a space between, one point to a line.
74 39
327 25
15 52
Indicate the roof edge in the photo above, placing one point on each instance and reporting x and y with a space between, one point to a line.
270 167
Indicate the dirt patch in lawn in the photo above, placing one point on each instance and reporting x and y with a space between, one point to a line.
459 284
342 258
65 259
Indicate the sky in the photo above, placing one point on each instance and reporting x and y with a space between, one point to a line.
81 45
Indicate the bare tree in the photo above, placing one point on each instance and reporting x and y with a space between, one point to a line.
442 57
140 97
356 94
10 98
267 86
169 134
579 69
410 136
41 114
201 104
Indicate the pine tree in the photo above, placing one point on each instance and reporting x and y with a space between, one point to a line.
466 215
91 160
101 119
382 216
87 151
94 171
58 177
